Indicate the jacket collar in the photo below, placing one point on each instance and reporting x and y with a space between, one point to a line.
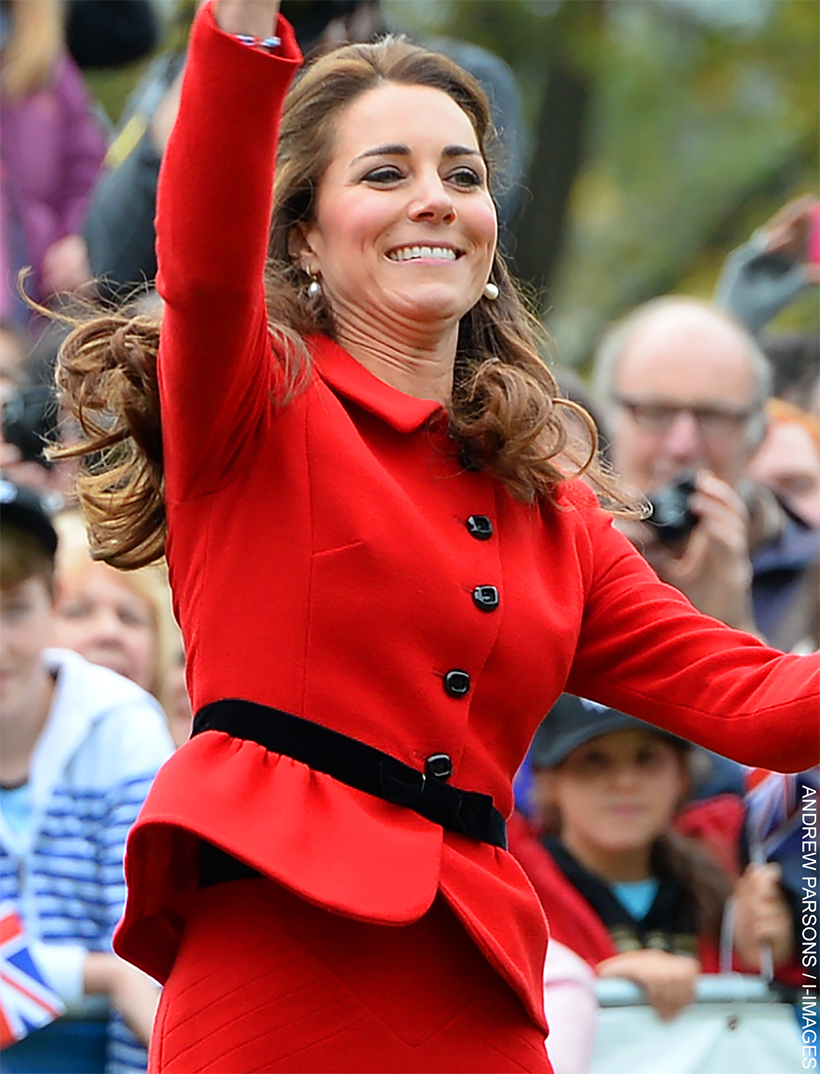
348 377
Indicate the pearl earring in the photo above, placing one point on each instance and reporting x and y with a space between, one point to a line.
314 288
490 291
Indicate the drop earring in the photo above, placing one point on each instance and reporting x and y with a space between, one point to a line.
490 291
314 287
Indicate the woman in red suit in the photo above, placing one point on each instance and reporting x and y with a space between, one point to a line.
383 577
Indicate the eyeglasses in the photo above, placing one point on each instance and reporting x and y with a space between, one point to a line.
658 417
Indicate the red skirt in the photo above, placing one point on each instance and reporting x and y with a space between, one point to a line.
266 981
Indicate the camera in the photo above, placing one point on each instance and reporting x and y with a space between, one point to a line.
671 516
30 418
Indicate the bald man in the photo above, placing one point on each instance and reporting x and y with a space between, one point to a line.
684 388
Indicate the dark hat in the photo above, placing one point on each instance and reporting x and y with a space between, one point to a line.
572 721
22 507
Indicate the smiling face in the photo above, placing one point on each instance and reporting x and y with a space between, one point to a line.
615 795
405 228
101 617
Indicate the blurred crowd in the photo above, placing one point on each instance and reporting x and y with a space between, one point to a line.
636 841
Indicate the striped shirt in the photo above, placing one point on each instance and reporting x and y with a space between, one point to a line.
90 771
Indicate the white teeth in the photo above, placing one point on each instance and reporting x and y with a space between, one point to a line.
411 253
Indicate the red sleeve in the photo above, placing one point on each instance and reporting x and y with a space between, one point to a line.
213 212
643 649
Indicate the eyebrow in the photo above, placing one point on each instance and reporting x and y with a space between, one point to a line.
398 150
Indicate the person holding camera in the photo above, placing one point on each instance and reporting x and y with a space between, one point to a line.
685 389
343 435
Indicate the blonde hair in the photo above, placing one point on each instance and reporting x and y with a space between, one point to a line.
150 583
36 43
506 411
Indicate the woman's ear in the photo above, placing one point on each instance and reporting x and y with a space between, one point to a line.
300 250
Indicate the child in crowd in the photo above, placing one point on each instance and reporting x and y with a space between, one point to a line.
81 746
620 886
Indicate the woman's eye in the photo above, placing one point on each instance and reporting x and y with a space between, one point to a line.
74 610
385 174
130 618
14 610
466 177
648 757
593 761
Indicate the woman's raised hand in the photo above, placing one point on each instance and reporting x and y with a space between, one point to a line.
254 17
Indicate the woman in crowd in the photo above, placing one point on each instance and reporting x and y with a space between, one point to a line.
53 147
122 621
620 886
382 577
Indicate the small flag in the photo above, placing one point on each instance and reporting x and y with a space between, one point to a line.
773 810
26 1001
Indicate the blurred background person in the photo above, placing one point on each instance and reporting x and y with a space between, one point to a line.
53 147
13 344
111 33
778 263
81 746
685 390
788 459
621 887
121 620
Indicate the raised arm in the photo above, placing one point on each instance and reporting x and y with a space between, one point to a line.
213 214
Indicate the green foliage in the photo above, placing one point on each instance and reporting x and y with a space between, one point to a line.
700 127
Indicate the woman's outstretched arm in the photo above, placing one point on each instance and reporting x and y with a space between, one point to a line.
213 214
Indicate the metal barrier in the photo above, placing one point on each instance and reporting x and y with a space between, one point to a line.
737 1025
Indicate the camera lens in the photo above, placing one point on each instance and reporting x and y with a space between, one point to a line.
671 515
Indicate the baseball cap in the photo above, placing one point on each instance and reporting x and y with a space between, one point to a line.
572 721
21 506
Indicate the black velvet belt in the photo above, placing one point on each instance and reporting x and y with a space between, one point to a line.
357 765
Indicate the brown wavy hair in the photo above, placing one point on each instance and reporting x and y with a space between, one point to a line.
505 411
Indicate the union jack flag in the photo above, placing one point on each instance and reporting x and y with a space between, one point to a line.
773 804
26 1001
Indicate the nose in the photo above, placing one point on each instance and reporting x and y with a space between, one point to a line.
683 441
106 628
624 775
432 202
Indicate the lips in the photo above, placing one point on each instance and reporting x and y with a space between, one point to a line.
626 809
424 253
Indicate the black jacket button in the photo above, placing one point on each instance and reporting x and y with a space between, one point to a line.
456 683
480 527
486 597
439 765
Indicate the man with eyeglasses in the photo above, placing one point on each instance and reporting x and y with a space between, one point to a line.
684 389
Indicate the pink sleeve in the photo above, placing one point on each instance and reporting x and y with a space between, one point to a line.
213 213
84 146
572 1010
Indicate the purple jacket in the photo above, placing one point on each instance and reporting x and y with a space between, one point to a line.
51 149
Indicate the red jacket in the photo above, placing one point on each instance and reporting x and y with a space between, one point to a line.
321 563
